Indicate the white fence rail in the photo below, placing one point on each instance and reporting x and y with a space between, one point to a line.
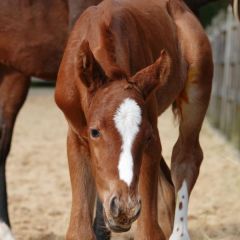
224 109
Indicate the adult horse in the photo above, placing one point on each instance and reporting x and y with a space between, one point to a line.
32 38
124 64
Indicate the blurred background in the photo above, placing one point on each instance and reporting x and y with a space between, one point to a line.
224 110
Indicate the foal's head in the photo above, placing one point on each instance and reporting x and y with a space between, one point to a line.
119 129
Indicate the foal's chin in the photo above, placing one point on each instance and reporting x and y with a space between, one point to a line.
118 229
115 227
122 223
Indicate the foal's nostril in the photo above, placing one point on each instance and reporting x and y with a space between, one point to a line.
114 207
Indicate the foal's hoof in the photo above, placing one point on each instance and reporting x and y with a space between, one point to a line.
5 232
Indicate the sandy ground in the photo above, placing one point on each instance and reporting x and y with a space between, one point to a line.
39 189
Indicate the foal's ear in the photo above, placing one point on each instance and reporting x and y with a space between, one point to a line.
153 76
89 70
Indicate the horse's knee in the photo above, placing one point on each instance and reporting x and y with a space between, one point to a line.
186 151
186 162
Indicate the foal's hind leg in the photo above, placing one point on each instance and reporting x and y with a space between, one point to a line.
166 199
192 104
187 154
13 91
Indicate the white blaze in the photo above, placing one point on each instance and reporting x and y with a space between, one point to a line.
180 229
5 232
127 120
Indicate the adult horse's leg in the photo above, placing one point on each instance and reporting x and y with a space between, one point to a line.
83 190
13 91
147 225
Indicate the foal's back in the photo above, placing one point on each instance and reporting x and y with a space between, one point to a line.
129 34
134 31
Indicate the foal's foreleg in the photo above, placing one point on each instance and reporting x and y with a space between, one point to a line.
13 91
147 225
83 190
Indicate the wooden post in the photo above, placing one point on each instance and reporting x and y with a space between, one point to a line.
224 109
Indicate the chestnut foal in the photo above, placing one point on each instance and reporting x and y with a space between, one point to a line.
125 63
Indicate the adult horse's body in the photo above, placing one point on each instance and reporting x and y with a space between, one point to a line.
125 63
32 39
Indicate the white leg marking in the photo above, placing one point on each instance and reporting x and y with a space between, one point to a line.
127 120
5 232
235 9
180 229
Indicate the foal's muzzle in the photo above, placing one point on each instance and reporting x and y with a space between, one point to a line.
122 214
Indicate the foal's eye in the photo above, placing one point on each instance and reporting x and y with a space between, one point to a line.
95 133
